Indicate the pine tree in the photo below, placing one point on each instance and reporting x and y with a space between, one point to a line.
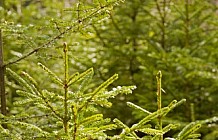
69 112
133 39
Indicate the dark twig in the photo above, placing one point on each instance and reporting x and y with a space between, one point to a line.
38 48
43 46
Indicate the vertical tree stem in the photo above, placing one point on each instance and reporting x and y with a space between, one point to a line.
162 13
2 79
192 108
187 23
159 76
66 77
74 110
132 60
163 19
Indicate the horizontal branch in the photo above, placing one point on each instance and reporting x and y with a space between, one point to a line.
37 49
54 38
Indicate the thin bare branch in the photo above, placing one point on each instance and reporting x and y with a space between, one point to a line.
45 45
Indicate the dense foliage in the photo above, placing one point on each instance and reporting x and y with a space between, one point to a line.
133 38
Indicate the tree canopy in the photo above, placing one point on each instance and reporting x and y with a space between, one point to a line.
60 61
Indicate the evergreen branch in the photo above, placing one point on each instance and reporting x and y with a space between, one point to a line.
126 130
159 9
103 77
92 118
46 44
174 104
29 126
72 77
43 46
99 36
149 118
179 10
120 124
105 84
26 94
149 13
151 131
168 128
54 111
117 27
20 118
162 14
210 120
50 107
188 130
4 131
53 76
197 12
31 81
115 91
137 107
102 98
48 94
105 127
100 88
30 78
194 136
24 83
24 102
86 80
77 77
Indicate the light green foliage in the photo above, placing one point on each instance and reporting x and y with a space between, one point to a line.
132 38
71 111
52 75
157 132
188 130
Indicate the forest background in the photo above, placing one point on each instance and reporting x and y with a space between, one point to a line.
133 38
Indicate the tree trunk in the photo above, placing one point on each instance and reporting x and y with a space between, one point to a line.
2 79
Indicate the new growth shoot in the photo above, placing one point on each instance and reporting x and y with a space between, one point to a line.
159 76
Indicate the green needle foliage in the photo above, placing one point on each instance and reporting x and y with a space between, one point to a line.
177 37
151 125
69 113
59 96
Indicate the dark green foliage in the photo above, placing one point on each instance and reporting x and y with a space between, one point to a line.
135 38
177 37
